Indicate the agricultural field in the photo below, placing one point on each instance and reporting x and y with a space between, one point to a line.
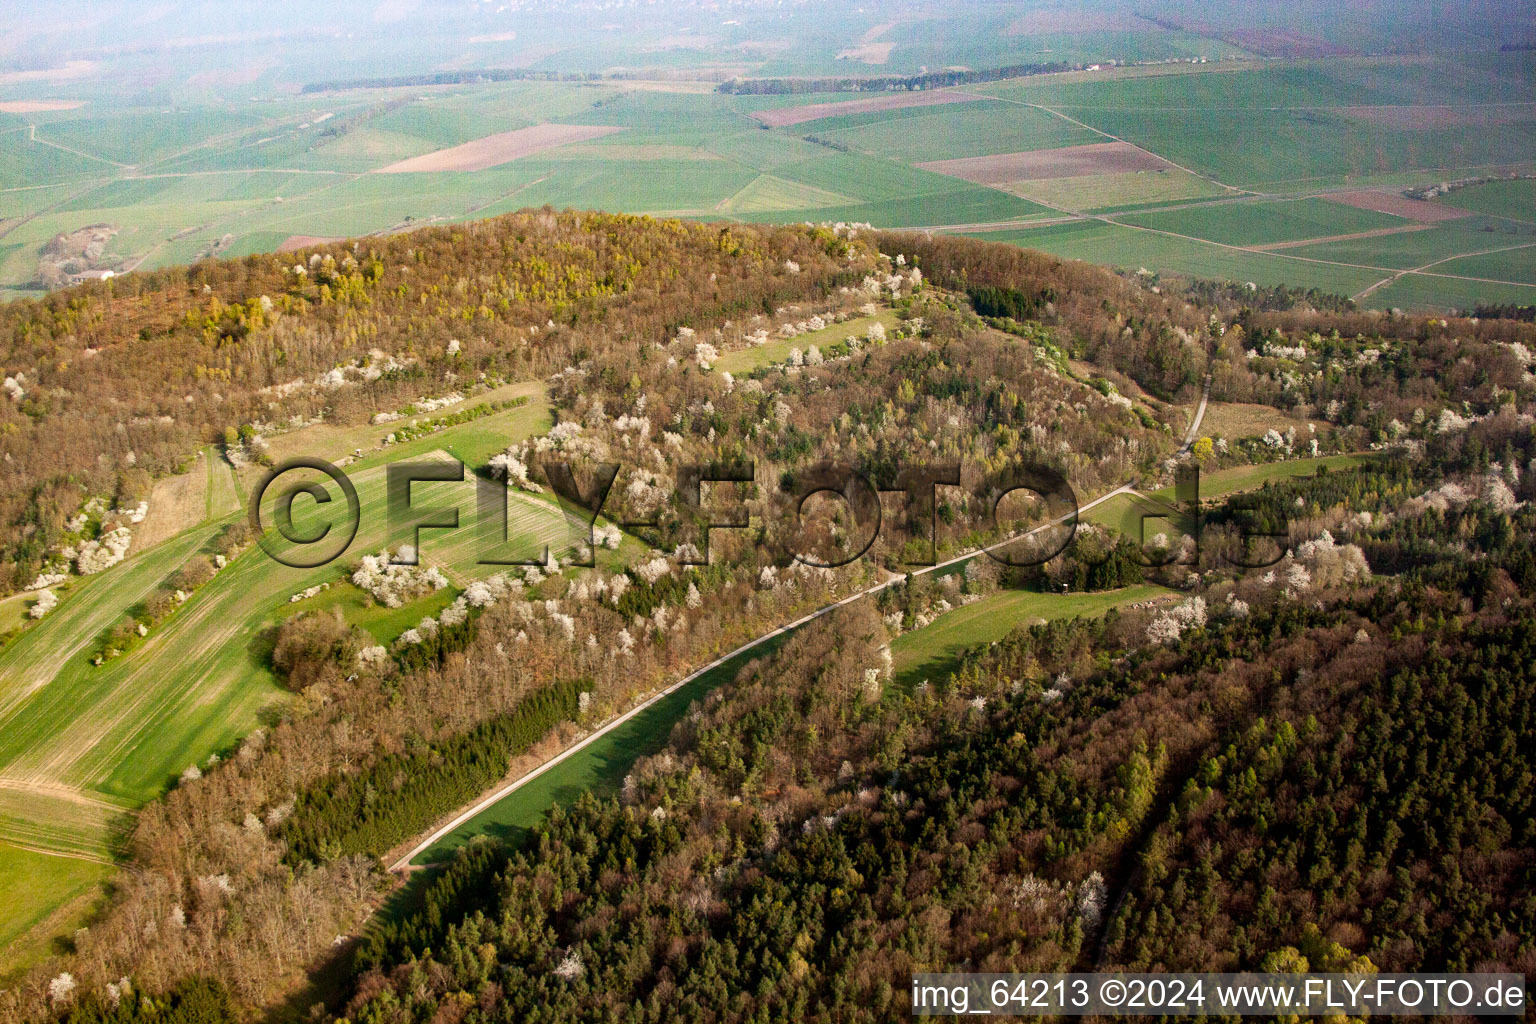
1262 224
1515 200
82 746
1132 249
1243 154
1106 192
22 870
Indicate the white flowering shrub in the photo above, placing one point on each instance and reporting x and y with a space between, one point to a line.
62 988
513 470
392 584
1092 900
94 556
375 656
47 579
1169 625
44 604
653 570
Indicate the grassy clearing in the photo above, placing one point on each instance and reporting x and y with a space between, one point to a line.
385 624
1222 482
934 651
777 350
1123 514
223 493
24 873
334 441
1244 419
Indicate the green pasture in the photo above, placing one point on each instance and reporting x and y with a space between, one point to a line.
25 873
934 651
1222 482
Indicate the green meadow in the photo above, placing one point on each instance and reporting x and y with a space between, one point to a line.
931 653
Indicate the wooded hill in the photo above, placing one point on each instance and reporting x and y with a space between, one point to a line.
982 821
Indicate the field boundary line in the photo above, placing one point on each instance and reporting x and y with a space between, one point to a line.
32 137
1298 243
1424 271
1099 131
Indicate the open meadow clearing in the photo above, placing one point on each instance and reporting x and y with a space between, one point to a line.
932 652
1234 420
744 360
25 871
1222 482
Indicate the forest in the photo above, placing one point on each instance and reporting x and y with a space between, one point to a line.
1342 783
